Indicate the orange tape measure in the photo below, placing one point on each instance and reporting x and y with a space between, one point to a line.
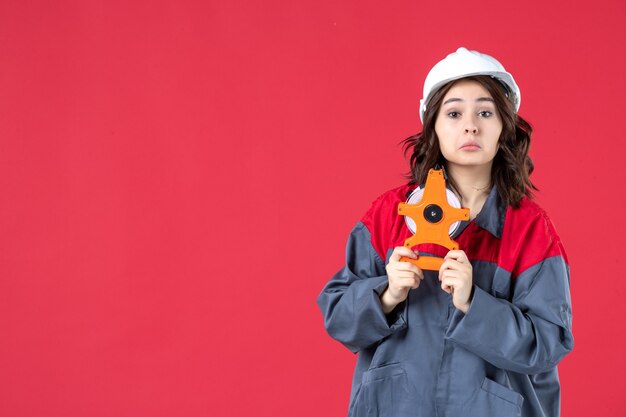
433 216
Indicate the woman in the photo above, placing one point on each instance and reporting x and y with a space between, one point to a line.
483 335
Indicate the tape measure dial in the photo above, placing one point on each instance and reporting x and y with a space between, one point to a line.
416 196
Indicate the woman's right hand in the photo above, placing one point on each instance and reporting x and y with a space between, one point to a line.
403 277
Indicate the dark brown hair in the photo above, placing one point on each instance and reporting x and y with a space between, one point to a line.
512 166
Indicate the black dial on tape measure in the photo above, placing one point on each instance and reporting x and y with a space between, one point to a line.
433 213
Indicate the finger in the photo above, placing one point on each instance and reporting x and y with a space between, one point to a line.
444 267
403 266
404 275
414 269
420 274
451 265
400 251
411 283
448 284
406 283
450 274
409 267
447 288
458 255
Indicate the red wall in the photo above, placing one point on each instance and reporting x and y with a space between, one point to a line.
178 178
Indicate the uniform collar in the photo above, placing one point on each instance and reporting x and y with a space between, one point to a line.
491 216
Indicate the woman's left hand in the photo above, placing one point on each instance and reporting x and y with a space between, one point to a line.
455 275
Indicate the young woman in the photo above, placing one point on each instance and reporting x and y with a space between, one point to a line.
483 335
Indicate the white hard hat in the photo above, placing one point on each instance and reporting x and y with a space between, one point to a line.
464 63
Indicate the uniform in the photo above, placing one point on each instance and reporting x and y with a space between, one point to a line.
426 358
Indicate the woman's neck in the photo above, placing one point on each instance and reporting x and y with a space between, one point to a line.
473 183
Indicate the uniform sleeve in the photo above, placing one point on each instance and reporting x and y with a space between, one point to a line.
529 334
350 301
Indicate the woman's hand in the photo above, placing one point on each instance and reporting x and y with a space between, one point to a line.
455 275
403 276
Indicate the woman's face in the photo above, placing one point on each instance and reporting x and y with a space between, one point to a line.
468 125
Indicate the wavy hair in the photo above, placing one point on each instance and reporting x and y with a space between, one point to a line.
511 167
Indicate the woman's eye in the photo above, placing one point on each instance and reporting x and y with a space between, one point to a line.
485 113
453 114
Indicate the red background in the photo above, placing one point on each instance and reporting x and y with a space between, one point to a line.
178 178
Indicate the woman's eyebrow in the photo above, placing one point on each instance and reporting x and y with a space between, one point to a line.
455 99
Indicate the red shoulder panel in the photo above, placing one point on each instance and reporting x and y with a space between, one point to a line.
383 222
528 238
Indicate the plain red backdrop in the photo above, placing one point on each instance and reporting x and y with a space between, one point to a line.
178 178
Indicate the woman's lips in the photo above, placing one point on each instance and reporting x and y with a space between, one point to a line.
470 146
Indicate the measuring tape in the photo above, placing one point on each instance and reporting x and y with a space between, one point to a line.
432 213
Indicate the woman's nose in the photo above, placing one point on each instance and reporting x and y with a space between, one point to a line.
471 128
